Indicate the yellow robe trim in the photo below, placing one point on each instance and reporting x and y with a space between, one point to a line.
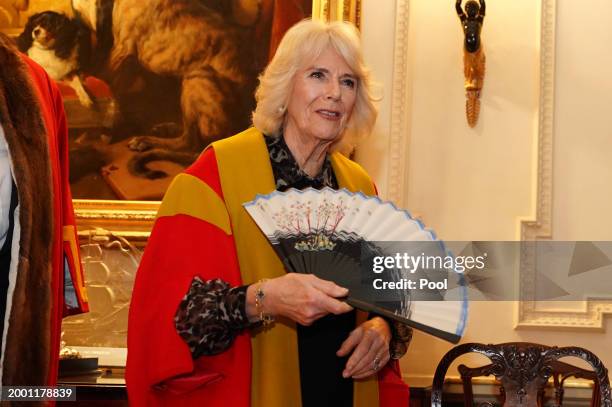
186 196
69 235
245 171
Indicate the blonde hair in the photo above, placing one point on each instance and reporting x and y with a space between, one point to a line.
301 45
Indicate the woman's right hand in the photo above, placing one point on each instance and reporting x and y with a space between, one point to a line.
303 298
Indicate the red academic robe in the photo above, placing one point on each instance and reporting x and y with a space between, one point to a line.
33 120
64 231
160 370
190 239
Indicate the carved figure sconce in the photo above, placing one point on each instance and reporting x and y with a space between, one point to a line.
472 16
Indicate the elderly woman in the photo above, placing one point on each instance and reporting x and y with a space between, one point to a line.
215 319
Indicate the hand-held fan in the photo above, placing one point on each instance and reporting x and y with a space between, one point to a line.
390 263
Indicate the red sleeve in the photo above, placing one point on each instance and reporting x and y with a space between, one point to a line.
159 365
52 107
69 231
52 114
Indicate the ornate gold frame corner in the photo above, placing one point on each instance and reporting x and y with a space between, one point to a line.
337 10
132 220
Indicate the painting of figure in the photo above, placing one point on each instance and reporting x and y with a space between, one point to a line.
147 84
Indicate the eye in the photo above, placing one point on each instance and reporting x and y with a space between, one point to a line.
317 75
348 82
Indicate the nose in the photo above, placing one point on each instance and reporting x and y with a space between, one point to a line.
333 91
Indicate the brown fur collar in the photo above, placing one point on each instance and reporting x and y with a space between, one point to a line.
27 351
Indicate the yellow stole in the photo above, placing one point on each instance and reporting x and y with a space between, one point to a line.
245 171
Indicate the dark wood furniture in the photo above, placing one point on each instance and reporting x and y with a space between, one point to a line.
524 369
104 389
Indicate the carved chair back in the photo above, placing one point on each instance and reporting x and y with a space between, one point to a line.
524 369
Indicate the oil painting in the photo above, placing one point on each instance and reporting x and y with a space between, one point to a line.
148 84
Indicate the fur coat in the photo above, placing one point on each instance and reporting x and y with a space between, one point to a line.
44 237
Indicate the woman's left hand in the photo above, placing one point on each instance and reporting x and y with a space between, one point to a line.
370 345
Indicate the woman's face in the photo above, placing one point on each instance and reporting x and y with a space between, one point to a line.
323 97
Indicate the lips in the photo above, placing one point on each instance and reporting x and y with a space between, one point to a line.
329 114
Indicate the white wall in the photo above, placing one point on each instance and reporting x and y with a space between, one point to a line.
476 184
471 184
583 122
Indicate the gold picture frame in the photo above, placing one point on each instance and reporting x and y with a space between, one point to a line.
133 220
332 10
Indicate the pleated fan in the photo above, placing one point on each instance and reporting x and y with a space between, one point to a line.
342 236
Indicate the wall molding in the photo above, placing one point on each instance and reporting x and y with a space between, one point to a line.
541 227
400 106
591 317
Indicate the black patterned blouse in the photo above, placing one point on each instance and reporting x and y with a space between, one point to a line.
212 313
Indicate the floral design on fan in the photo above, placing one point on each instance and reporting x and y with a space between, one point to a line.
313 223
296 219
315 243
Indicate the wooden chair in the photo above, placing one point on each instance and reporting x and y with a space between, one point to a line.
560 371
524 369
